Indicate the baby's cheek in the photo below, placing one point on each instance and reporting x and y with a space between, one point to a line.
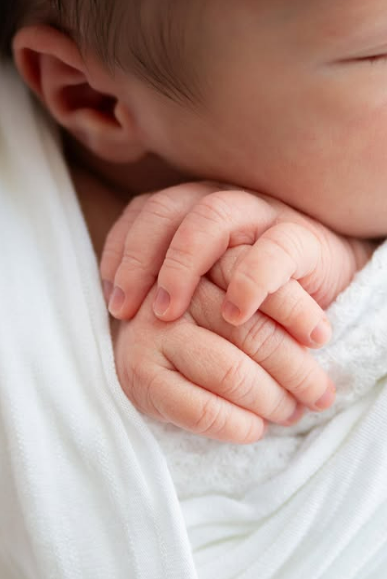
362 176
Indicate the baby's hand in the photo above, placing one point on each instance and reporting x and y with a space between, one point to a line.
206 376
180 233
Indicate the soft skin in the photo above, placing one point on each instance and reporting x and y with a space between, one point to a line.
294 104
199 372
289 102
178 234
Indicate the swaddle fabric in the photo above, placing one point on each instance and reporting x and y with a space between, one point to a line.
84 490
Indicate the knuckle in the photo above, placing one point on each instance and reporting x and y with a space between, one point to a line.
246 277
211 420
129 214
111 258
322 283
291 308
131 260
162 206
277 244
237 385
230 377
112 250
179 258
143 390
263 339
245 393
286 234
151 394
133 263
213 208
278 408
302 380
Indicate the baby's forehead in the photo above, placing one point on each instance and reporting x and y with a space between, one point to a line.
169 44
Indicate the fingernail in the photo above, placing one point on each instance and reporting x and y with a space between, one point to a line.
322 333
295 417
230 312
161 303
327 398
116 301
107 287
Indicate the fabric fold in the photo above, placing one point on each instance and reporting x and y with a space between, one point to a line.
84 490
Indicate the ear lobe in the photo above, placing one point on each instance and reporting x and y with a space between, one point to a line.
53 68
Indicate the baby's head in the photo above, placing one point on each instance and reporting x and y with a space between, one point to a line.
288 98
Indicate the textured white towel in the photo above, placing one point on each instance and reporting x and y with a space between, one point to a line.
84 491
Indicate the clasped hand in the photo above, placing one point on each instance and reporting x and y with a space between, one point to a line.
220 295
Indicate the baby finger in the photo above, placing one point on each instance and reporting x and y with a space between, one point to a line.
115 243
285 251
284 364
146 244
296 311
231 375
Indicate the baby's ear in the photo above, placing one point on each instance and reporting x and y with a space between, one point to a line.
52 66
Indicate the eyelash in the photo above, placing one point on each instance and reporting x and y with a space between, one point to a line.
370 60
377 58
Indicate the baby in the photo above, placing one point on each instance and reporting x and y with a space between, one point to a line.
288 101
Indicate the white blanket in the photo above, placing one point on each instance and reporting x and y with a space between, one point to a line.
84 488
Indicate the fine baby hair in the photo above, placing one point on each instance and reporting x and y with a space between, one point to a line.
139 36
